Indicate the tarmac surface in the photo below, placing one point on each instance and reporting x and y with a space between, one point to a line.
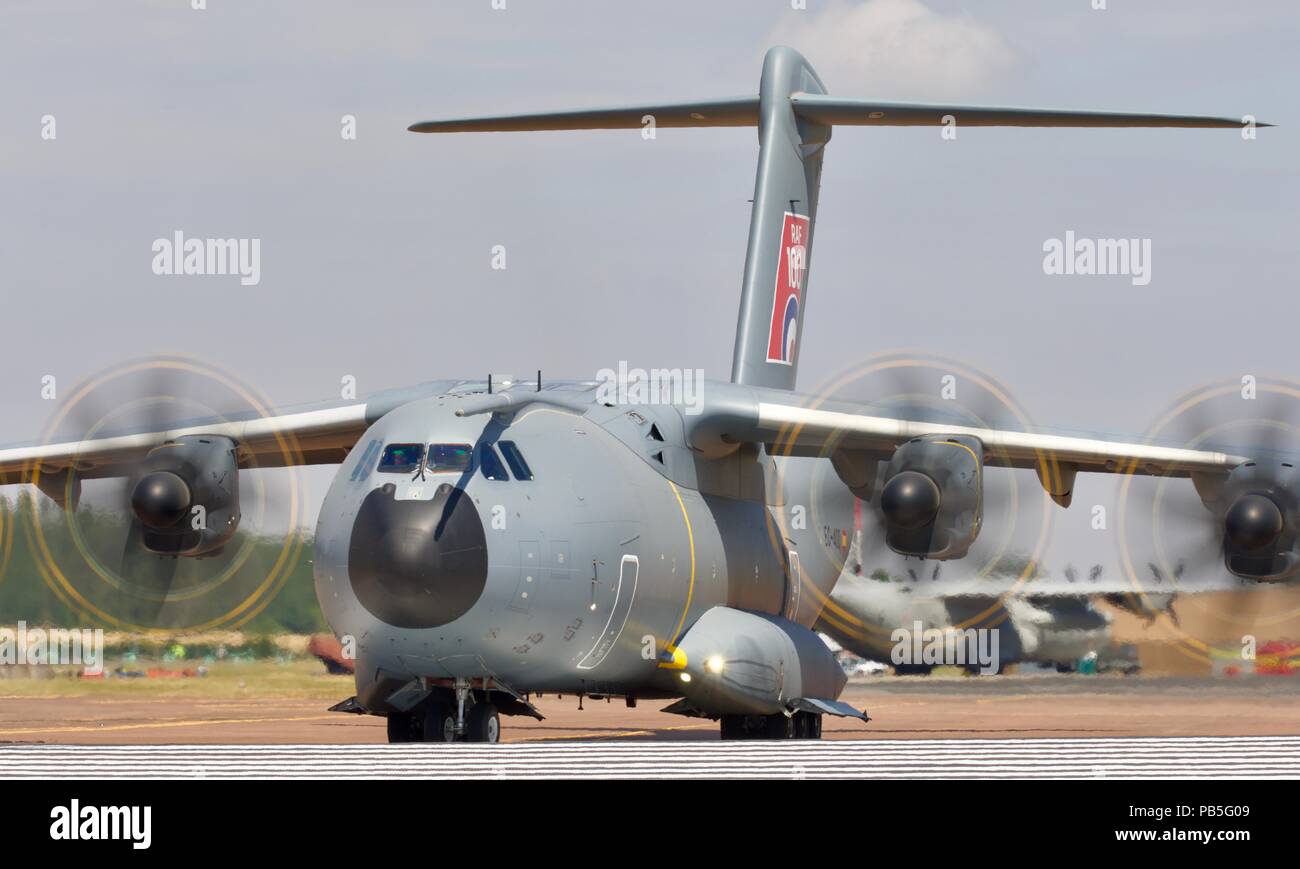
1179 757
901 708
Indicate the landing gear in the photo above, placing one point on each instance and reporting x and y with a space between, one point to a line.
800 725
733 727
403 728
807 725
483 724
439 723
461 714
779 726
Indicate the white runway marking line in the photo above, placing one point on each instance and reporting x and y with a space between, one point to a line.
1176 757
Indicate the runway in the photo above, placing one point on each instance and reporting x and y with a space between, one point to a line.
223 711
1188 757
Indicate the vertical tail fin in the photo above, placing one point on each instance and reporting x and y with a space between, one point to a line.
794 115
773 291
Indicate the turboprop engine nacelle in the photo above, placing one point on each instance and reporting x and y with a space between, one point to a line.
932 497
186 496
1260 505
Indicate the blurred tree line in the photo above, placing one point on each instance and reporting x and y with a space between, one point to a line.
26 596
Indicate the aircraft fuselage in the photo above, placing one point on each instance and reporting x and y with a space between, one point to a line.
582 579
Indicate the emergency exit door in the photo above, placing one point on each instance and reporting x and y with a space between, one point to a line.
793 583
618 613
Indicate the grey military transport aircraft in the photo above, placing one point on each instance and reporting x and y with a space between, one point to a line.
484 542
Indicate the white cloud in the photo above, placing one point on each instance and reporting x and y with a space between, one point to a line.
898 49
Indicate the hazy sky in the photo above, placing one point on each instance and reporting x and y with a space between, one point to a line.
376 253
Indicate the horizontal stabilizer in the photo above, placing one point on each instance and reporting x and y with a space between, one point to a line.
823 109
818 108
733 112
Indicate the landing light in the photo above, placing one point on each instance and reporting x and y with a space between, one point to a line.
686 677
715 664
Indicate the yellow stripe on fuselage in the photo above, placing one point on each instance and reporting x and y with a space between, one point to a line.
678 657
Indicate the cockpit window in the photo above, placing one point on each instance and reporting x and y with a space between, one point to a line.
490 462
449 458
401 458
515 459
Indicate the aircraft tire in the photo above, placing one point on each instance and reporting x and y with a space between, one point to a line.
483 724
780 726
401 728
439 723
808 725
733 727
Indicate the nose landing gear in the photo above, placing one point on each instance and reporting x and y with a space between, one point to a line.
444 719
459 710
437 723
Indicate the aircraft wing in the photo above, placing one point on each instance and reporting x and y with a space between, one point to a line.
803 426
312 434
309 437
791 424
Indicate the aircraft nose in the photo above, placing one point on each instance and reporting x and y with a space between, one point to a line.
415 563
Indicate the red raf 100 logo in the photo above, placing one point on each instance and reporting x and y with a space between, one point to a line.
791 266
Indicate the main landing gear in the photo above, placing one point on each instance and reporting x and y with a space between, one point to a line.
800 725
448 717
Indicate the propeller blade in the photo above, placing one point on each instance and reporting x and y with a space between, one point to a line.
149 576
